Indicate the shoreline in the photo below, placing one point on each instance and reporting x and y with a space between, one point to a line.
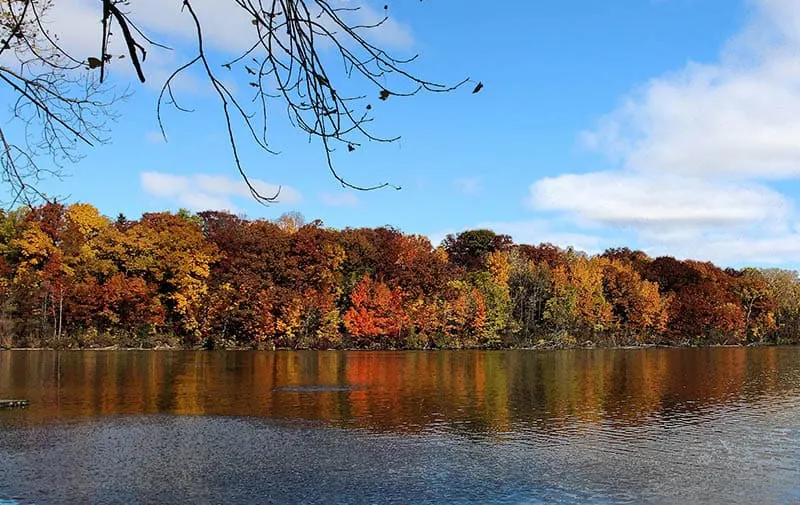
357 349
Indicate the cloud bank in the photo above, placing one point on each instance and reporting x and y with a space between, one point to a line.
698 152
209 192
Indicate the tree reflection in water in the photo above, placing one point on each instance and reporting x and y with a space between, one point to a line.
478 392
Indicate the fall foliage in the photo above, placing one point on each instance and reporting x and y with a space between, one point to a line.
72 277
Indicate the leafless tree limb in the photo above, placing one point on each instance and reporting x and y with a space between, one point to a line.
289 65
57 106
290 60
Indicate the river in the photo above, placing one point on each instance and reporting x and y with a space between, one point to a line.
716 425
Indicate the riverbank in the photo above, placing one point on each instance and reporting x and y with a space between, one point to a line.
215 280
540 347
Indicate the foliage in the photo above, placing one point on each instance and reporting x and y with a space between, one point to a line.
376 317
470 249
72 277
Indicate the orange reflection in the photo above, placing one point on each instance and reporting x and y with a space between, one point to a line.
469 391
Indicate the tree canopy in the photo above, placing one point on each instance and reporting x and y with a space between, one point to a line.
70 276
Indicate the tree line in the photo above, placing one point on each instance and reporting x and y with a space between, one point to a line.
71 277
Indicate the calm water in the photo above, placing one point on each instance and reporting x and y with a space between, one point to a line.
597 426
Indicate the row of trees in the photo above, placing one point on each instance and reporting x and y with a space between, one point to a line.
70 276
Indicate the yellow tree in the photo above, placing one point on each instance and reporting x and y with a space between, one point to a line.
499 266
41 270
784 290
464 315
33 279
758 304
171 252
579 305
638 308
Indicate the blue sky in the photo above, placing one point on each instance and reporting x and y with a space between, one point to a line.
672 126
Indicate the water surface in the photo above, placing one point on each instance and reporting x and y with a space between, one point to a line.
717 425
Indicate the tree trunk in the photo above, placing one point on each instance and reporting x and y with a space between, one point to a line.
60 310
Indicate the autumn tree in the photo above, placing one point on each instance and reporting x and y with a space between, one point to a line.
469 249
704 306
543 254
313 317
784 291
463 316
757 302
366 253
494 289
639 310
579 307
89 299
376 315
172 253
530 287
240 304
41 272
670 274
418 268
638 260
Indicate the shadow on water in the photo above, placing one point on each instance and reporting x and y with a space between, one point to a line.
583 426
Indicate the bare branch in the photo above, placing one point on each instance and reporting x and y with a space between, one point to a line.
292 62
59 105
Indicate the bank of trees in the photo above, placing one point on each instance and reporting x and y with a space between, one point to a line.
72 277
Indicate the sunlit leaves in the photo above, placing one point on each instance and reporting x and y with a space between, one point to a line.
215 279
376 316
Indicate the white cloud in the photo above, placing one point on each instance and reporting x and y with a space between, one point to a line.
341 199
469 186
159 184
739 117
225 27
735 249
77 23
664 202
209 192
696 149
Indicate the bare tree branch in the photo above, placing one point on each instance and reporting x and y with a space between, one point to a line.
292 63
59 104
